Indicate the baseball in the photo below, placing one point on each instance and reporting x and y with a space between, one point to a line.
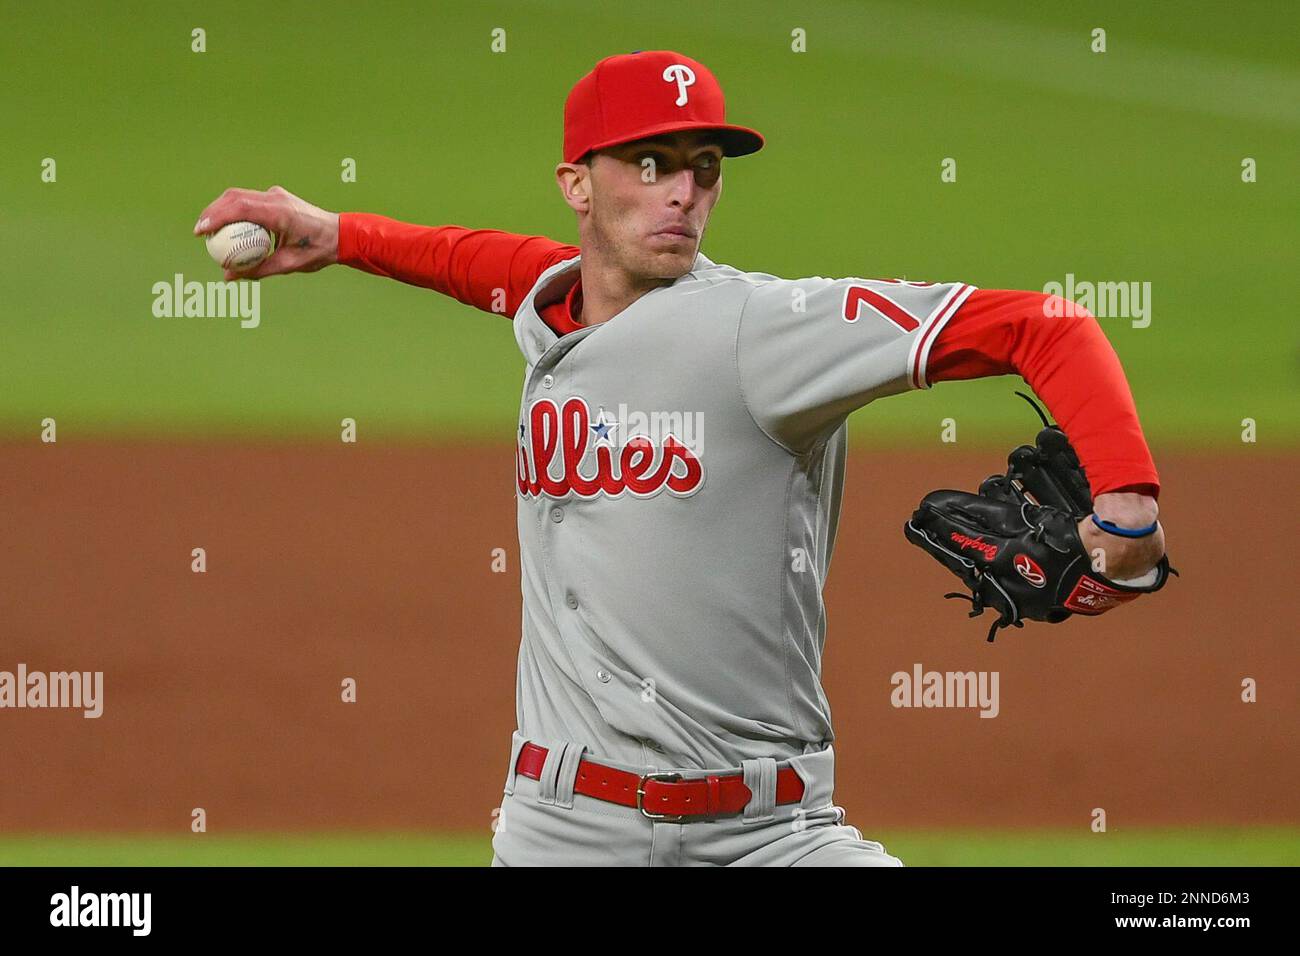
241 246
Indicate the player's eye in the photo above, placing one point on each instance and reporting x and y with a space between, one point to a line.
707 169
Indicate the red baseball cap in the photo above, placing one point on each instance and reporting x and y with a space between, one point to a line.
647 93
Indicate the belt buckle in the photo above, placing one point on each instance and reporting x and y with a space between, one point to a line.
666 777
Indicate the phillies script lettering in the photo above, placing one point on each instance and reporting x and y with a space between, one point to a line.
562 436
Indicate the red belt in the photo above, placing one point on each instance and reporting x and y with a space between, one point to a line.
663 795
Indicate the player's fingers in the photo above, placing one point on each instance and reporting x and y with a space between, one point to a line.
221 210
233 205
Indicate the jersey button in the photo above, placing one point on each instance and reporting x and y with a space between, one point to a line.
603 676
572 602
557 515
548 381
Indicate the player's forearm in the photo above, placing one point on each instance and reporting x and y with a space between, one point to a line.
489 269
1070 364
414 254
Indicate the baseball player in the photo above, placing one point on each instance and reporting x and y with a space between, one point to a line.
679 463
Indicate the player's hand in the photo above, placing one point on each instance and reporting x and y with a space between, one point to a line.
307 236
1125 558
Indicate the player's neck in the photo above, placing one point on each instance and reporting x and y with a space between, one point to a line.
607 291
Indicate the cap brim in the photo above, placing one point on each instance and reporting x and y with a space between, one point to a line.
735 140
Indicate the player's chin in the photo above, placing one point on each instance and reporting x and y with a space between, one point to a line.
671 257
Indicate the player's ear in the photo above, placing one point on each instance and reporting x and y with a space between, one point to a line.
574 180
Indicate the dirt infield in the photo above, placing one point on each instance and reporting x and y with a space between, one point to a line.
222 689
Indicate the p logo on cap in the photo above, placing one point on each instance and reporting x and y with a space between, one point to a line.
683 76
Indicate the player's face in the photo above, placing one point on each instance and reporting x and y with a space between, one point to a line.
651 199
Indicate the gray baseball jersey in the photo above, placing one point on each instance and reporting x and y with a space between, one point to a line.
679 474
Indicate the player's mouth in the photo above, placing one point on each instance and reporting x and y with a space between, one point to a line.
674 233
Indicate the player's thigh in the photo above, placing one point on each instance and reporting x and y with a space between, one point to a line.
847 850
817 838
529 833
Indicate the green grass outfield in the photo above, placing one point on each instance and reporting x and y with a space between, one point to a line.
1202 847
1123 166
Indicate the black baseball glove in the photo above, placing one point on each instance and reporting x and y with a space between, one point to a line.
1016 544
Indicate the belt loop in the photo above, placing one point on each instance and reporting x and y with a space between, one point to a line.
817 771
550 772
566 774
517 741
760 778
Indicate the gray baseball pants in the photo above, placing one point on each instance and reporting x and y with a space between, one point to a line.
544 823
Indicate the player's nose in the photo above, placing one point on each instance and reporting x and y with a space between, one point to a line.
682 189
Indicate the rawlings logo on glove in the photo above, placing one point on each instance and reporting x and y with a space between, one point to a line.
1016 544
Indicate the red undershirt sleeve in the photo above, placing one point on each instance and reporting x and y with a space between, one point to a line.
1069 364
486 268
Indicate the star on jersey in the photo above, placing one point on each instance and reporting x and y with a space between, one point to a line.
602 428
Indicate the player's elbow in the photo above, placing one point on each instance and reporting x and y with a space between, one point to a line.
1059 307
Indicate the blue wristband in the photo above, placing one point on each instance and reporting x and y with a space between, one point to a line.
1124 532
